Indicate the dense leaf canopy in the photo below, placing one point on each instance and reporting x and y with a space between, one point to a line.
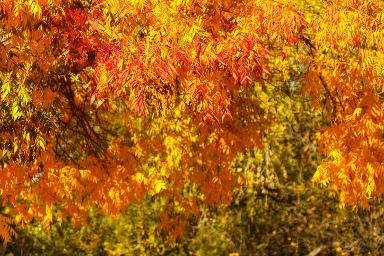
104 102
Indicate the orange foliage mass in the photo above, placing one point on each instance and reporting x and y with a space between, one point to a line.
106 101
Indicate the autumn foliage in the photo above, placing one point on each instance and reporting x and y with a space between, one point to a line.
104 102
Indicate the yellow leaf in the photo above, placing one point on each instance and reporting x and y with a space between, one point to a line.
357 112
159 186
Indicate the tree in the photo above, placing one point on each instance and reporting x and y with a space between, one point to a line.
105 101
347 63
279 212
